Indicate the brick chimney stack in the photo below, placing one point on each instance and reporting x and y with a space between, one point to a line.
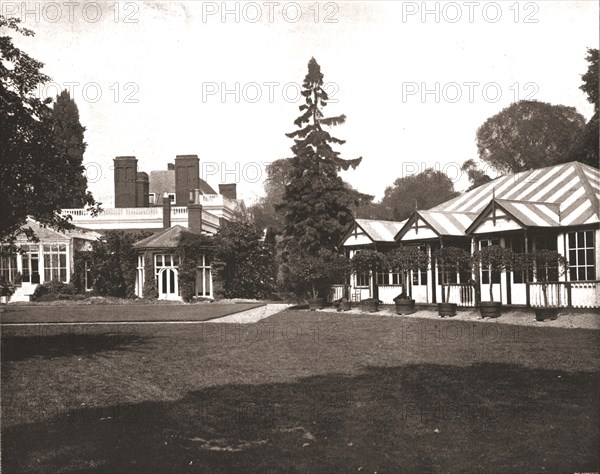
166 211
187 177
228 190
125 175
195 217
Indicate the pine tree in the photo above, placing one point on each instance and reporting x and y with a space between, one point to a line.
317 203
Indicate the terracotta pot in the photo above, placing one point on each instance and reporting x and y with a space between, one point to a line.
317 303
490 309
541 314
405 306
447 309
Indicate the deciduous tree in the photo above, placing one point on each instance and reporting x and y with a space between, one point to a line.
528 135
423 191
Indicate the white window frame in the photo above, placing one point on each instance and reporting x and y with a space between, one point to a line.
584 246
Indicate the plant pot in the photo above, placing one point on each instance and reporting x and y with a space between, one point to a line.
490 309
447 309
317 303
345 306
369 306
405 306
541 314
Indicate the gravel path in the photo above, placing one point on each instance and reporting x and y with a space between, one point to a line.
252 315
566 319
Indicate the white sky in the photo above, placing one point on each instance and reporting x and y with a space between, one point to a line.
375 55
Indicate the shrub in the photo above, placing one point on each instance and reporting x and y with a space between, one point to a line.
54 289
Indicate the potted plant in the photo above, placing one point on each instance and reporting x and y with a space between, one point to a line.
370 305
342 304
404 260
369 261
494 259
547 266
311 274
454 259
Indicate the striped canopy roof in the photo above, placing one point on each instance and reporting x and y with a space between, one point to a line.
378 230
574 186
560 195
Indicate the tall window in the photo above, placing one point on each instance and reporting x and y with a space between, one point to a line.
31 263
55 262
8 267
485 273
582 264
362 280
203 278
387 278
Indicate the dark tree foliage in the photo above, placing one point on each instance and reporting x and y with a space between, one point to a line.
112 263
68 136
317 204
476 176
528 135
264 211
33 172
243 264
410 193
586 148
591 78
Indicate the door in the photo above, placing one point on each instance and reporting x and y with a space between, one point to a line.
31 270
167 284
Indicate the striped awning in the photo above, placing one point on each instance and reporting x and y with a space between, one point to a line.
379 230
574 187
533 214
448 223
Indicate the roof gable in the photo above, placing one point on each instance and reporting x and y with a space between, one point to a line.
439 223
504 215
369 231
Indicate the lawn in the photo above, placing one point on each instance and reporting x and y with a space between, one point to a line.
300 392
120 313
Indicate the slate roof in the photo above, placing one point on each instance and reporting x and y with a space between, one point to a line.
168 238
49 234
163 181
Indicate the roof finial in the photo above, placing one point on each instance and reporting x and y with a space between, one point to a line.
494 192
416 205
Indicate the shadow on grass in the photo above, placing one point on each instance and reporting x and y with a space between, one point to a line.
413 418
49 342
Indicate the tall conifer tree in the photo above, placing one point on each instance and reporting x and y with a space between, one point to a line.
68 134
317 204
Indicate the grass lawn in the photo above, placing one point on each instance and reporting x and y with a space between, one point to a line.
300 392
120 313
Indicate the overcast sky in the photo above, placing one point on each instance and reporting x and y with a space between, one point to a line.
162 67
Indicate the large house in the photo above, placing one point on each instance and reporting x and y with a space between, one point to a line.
552 208
171 203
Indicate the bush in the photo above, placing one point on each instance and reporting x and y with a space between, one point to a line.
54 289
